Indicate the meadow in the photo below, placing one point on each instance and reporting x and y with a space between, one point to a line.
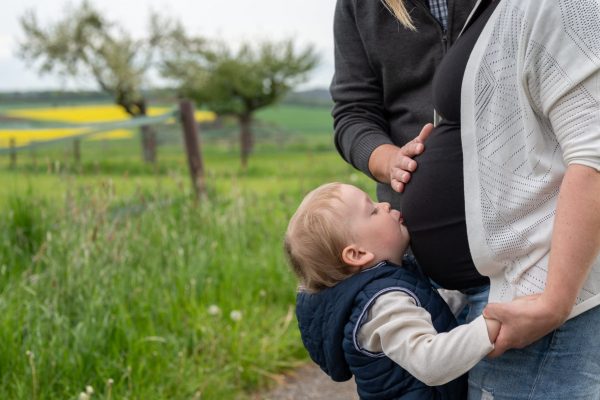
116 284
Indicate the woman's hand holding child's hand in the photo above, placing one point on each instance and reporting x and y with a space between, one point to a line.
523 320
494 325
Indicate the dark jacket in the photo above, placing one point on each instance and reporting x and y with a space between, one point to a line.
329 322
383 73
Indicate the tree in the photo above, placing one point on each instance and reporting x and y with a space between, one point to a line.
238 82
84 44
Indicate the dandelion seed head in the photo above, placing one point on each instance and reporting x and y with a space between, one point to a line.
214 309
235 315
110 382
262 293
84 396
89 390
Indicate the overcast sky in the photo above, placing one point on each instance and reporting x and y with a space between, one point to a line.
308 21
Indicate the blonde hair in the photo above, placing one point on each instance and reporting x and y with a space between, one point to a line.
398 8
314 239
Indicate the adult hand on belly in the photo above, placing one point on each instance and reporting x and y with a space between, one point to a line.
394 165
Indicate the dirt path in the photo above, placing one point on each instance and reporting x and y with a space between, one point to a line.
310 383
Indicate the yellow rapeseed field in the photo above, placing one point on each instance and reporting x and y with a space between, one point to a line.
76 114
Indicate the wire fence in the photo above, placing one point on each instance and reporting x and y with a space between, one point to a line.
184 113
89 130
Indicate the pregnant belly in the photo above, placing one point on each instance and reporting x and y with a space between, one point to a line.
433 210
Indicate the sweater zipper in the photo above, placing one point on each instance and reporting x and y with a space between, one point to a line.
444 33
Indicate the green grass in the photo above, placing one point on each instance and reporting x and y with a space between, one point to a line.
110 272
302 119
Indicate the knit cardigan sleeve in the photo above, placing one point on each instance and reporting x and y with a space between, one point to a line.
562 74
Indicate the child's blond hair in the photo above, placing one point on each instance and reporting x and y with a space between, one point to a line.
316 237
398 8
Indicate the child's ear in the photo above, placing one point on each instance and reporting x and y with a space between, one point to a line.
357 257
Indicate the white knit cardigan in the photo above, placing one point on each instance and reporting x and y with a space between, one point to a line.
530 107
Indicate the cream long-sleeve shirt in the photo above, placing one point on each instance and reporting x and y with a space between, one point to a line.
403 331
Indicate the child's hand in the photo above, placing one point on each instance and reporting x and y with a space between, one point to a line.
493 328
493 325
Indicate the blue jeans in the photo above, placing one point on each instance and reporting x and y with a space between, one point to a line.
477 299
565 364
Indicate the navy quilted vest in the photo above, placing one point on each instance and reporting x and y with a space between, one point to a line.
328 325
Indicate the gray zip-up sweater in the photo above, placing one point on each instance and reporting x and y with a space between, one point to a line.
383 72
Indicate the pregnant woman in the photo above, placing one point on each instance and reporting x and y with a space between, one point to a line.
433 203
382 92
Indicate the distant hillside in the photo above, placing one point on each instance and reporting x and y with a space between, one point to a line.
58 96
313 97
52 96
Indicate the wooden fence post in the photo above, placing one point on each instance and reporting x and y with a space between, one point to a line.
13 152
192 146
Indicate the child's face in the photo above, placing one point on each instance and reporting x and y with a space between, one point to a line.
375 226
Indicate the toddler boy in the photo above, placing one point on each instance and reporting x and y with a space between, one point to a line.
365 309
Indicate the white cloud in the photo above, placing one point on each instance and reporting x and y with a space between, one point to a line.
6 50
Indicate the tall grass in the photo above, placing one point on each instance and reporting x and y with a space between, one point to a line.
112 277
145 294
